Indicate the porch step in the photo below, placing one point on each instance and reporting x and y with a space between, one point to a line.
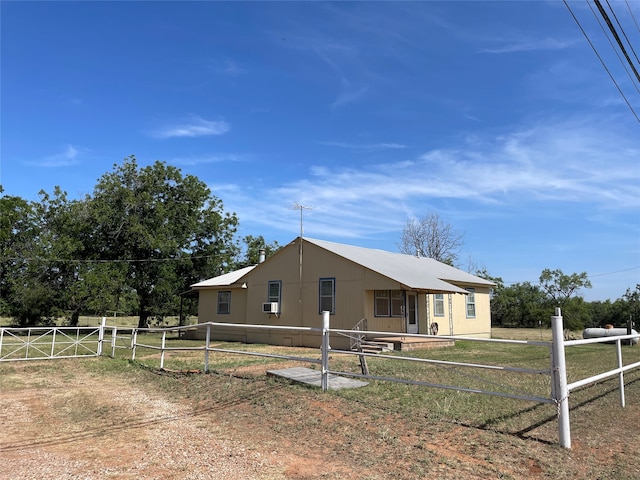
369 346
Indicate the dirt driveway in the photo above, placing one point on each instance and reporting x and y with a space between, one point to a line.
80 420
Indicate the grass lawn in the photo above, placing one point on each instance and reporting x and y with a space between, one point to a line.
382 431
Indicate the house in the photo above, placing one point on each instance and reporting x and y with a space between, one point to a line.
392 291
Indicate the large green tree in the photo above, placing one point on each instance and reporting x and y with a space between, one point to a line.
563 291
168 229
20 295
252 249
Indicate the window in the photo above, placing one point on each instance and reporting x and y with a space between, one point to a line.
471 303
328 295
388 303
275 288
438 304
224 302
382 303
397 303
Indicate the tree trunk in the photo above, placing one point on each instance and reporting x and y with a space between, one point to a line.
74 319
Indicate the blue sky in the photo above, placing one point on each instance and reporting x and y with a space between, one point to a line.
496 115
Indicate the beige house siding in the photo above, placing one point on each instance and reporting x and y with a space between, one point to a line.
473 326
355 285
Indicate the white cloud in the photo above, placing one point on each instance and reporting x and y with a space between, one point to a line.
212 158
66 158
531 45
552 165
365 146
196 127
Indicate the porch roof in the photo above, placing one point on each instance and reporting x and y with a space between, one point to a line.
225 280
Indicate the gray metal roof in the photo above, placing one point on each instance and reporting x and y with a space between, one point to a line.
416 273
224 280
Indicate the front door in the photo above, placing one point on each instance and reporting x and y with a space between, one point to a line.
412 312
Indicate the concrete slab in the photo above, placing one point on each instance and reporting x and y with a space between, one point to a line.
314 378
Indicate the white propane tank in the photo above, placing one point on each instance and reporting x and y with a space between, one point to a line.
608 332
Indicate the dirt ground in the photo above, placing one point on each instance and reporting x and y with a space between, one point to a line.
79 420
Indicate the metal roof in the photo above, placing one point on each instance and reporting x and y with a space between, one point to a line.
413 272
225 280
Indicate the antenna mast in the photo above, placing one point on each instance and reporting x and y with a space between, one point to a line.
299 206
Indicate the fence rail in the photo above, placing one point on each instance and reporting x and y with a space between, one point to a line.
42 343
68 342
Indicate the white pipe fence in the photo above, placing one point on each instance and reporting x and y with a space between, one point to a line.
60 342
43 343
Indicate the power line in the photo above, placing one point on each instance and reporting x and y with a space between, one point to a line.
588 276
74 260
601 60
632 15
617 37
595 15
622 30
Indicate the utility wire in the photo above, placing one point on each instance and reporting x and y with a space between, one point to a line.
601 61
595 15
622 30
616 36
632 15
73 260
588 276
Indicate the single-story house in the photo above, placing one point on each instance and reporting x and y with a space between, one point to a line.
392 291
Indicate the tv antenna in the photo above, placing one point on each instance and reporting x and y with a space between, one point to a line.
302 208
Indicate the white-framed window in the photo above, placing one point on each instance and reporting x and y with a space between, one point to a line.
275 291
438 304
471 303
327 295
388 303
224 303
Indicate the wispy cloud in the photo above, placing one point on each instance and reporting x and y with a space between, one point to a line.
226 66
577 162
212 158
66 158
195 127
513 46
364 146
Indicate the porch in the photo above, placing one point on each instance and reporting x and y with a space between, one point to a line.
403 343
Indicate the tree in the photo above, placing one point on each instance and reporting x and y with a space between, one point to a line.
18 241
167 229
253 246
519 305
562 291
431 237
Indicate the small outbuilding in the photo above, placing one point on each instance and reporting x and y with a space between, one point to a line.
394 292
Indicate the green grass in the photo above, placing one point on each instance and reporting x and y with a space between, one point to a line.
409 427
437 404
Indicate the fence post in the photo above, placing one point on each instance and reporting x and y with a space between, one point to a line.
114 337
103 324
53 342
206 349
621 374
134 341
561 393
164 338
325 351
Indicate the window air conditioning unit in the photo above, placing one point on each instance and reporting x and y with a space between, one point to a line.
270 307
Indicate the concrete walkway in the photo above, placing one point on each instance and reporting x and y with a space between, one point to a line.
314 378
